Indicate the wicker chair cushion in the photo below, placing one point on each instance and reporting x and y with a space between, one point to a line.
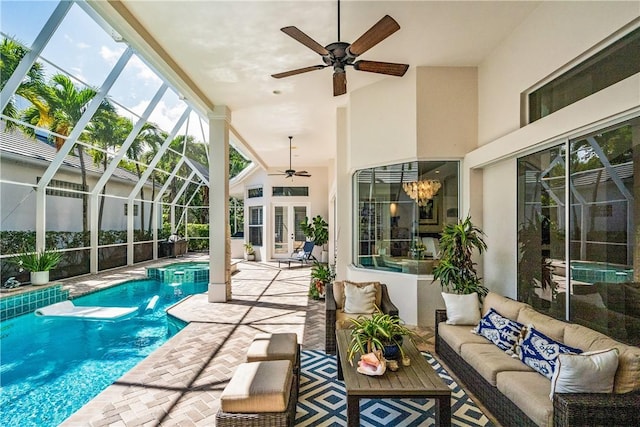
343 319
488 360
338 292
456 335
258 387
503 305
267 346
529 391
359 299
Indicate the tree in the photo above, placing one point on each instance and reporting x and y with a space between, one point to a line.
11 53
65 106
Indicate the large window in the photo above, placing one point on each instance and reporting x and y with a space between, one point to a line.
612 64
582 191
400 212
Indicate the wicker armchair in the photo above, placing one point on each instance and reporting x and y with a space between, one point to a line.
330 315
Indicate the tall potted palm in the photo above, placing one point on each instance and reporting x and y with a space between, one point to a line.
317 231
456 269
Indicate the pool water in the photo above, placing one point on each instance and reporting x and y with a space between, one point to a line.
52 367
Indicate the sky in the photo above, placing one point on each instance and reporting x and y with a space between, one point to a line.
85 51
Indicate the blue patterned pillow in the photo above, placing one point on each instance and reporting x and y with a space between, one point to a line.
541 352
498 329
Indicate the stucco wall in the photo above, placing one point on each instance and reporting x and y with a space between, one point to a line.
553 35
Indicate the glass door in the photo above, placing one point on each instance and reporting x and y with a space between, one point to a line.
287 233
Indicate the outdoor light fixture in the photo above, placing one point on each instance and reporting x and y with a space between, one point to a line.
422 191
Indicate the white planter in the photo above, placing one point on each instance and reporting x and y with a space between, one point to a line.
39 277
324 256
248 257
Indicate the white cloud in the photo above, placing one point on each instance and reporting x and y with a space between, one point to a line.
144 72
111 56
166 116
83 45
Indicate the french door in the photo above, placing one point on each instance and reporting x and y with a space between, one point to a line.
287 233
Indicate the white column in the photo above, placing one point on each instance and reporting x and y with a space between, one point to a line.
219 261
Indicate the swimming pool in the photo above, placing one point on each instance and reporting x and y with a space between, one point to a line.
52 367
593 272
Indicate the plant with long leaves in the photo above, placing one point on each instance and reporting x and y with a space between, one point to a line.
456 269
374 333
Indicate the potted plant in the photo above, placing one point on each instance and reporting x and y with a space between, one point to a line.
317 231
456 269
380 332
249 252
321 277
38 264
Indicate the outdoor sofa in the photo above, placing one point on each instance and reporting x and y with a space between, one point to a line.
519 396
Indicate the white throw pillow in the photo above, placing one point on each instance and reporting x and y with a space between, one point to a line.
462 309
590 372
359 299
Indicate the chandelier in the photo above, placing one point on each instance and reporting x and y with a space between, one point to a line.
422 191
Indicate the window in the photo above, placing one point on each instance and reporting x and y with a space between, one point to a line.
612 64
76 192
126 208
236 217
597 219
390 223
255 225
254 192
290 191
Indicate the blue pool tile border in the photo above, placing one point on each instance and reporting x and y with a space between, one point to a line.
28 302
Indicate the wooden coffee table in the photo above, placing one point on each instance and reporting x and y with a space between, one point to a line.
417 380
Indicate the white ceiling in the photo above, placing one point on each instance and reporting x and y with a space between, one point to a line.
229 49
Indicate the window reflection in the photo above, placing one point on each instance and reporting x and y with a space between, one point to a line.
398 230
598 272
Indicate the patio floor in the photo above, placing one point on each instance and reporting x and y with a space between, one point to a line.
179 384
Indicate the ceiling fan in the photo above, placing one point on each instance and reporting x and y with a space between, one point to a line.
290 173
340 54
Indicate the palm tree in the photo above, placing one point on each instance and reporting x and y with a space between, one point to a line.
107 130
147 141
66 104
11 53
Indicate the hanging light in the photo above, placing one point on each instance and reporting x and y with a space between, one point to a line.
422 191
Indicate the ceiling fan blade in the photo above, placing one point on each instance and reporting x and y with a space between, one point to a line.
298 71
305 40
302 173
276 174
389 68
339 83
374 35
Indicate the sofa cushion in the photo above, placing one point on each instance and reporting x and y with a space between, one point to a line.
590 372
541 352
462 309
338 292
359 299
503 305
549 326
456 335
488 360
628 373
529 391
498 329
258 387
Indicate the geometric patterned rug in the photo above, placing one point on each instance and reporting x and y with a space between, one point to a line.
322 400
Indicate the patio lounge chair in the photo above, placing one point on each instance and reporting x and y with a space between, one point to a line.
302 255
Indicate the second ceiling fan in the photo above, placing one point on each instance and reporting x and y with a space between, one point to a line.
290 173
340 54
